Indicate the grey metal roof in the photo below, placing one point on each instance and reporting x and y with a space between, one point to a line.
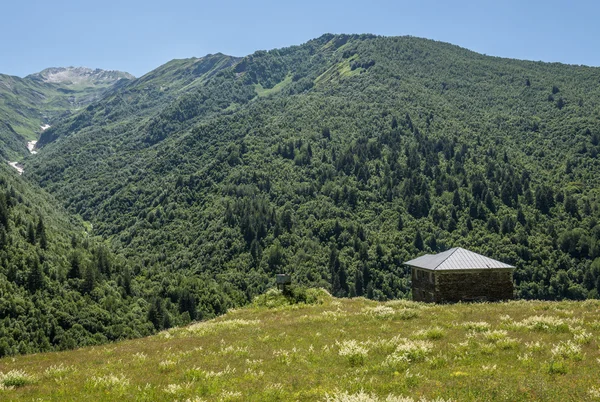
456 258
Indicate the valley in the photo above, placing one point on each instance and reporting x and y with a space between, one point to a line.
157 202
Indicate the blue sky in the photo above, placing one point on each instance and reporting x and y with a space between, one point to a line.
138 36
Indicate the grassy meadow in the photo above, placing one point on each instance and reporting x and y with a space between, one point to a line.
336 350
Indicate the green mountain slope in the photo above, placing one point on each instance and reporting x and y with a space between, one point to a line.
337 351
27 104
336 161
137 101
60 288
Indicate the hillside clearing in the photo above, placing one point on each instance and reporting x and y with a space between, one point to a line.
342 349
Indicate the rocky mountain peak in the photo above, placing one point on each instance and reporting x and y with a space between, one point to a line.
80 76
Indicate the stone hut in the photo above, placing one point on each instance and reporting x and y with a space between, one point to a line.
460 275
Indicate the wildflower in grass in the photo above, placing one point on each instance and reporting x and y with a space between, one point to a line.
379 311
234 350
489 367
430 333
211 327
525 357
230 395
505 317
408 351
488 348
110 381
544 323
58 371
333 315
173 389
495 335
581 336
595 325
274 391
353 351
438 361
283 356
567 350
507 343
140 356
166 365
182 354
480 326
254 363
411 379
386 345
362 396
196 373
226 371
594 392
409 304
252 372
15 378
536 346
396 361
407 314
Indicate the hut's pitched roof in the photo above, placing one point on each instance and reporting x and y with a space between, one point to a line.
456 259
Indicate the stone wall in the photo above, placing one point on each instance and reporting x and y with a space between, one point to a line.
474 285
423 285
467 285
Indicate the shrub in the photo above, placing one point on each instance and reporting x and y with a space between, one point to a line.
544 323
110 381
557 367
408 351
432 333
407 314
380 311
16 378
354 352
567 350
480 326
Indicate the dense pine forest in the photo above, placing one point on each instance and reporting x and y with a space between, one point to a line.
334 161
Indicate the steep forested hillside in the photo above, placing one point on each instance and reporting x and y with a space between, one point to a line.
336 161
60 288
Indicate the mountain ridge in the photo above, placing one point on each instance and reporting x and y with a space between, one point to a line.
79 75
334 161
397 102
28 105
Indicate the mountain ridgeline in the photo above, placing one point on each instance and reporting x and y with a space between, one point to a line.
27 104
334 161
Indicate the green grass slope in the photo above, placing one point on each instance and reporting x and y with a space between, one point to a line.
134 102
336 350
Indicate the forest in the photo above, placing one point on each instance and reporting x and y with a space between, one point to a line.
334 161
